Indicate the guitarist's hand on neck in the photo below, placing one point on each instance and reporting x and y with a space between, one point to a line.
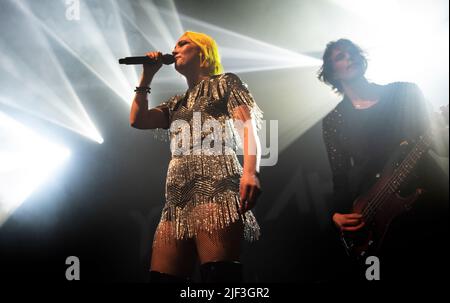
348 222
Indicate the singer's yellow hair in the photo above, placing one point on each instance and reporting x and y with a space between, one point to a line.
208 46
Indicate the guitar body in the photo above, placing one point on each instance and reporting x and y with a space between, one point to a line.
369 240
378 207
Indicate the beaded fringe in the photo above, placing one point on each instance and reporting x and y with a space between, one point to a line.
205 214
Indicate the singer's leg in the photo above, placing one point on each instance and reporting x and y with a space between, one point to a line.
221 243
172 256
219 254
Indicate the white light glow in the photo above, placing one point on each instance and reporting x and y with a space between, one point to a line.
26 161
97 45
406 40
33 79
240 53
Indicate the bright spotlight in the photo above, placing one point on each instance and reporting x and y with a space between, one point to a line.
26 161
241 53
411 43
33 78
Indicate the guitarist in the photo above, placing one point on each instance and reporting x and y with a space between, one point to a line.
361 134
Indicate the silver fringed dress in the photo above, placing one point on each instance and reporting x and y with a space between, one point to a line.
202 185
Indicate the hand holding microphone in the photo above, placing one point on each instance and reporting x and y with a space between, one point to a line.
152 62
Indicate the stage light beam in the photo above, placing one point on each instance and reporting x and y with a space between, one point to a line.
26 161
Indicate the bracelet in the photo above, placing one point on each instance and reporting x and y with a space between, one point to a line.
142 89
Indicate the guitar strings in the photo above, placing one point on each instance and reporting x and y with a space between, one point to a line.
379 198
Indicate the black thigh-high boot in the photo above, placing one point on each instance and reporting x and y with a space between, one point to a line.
221 272
159 277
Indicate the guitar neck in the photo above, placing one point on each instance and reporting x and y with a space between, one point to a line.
401 173
409 163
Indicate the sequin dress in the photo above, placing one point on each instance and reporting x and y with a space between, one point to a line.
202 185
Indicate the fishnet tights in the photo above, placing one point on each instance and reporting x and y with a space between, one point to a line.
178 257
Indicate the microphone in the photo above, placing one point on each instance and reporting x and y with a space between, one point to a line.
166 59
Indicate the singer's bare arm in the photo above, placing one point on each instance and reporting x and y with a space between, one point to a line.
250 187
140 116
143 118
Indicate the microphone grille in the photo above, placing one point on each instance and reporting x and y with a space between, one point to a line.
168 59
